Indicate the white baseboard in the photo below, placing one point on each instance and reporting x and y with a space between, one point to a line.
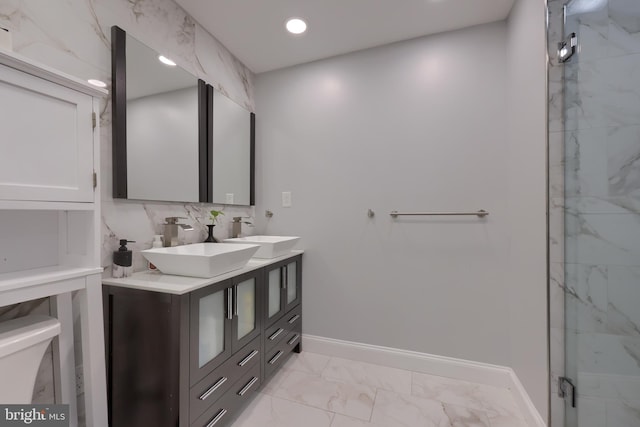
483 373
532 416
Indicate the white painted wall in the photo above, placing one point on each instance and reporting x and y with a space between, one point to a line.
527 273
29 240
414 126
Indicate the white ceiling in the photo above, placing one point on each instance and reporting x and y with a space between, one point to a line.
253 30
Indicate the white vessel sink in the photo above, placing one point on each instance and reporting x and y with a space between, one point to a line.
200 259
270 246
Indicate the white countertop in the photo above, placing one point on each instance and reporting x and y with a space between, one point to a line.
158 282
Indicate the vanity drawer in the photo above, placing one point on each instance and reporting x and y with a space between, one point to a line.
245 388
276 358
223 412
294 318
218 382
219 414
289 322
293 339
274 334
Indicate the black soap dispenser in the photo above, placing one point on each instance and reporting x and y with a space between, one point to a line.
123 260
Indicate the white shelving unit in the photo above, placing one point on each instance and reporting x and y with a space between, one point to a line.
50 214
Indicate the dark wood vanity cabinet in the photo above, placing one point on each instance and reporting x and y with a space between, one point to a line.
283 288
196 359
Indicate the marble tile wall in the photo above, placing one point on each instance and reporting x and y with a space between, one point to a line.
596 118
73 36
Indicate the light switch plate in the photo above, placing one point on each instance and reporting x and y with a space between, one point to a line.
286 199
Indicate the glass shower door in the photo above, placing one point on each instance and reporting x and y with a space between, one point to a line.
602 213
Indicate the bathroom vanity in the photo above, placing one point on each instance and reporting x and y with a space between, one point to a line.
185 351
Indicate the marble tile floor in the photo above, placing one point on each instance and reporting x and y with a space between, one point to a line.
313 390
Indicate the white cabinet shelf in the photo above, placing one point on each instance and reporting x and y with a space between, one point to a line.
45 206
41 276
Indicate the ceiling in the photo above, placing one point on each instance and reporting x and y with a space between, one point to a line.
253 30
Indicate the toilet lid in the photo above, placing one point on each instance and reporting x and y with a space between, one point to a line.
23 332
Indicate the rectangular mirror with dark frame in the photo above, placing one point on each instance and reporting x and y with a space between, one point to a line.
231 160
175 138
159 126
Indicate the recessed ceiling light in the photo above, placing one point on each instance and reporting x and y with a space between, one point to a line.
166 61
296 26
98 83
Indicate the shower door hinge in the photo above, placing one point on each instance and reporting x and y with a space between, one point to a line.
93 119
567 390
567 48
95 180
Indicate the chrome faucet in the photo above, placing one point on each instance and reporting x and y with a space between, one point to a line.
171 230
236 226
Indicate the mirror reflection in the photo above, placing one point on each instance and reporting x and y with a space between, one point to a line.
175 138
232 152
162 127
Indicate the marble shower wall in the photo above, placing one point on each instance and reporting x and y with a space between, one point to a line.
599 267
74 36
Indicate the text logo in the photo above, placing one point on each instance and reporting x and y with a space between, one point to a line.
34 415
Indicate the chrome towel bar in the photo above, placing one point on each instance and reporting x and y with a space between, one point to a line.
480 214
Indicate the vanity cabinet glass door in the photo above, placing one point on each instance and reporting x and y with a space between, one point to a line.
224 318
293 283
274 304
247 313
211 314
284 283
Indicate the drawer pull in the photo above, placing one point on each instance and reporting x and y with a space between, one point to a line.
294 339
248 386
213 388
275 358
217 418
249 357
294 318
275 334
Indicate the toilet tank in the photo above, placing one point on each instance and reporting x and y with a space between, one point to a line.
23 342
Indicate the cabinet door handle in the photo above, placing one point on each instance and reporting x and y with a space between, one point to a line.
247 386
294 318
217 418
275 334
235 300
286 275
213 388
229 303
275 358
249 357
294 339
